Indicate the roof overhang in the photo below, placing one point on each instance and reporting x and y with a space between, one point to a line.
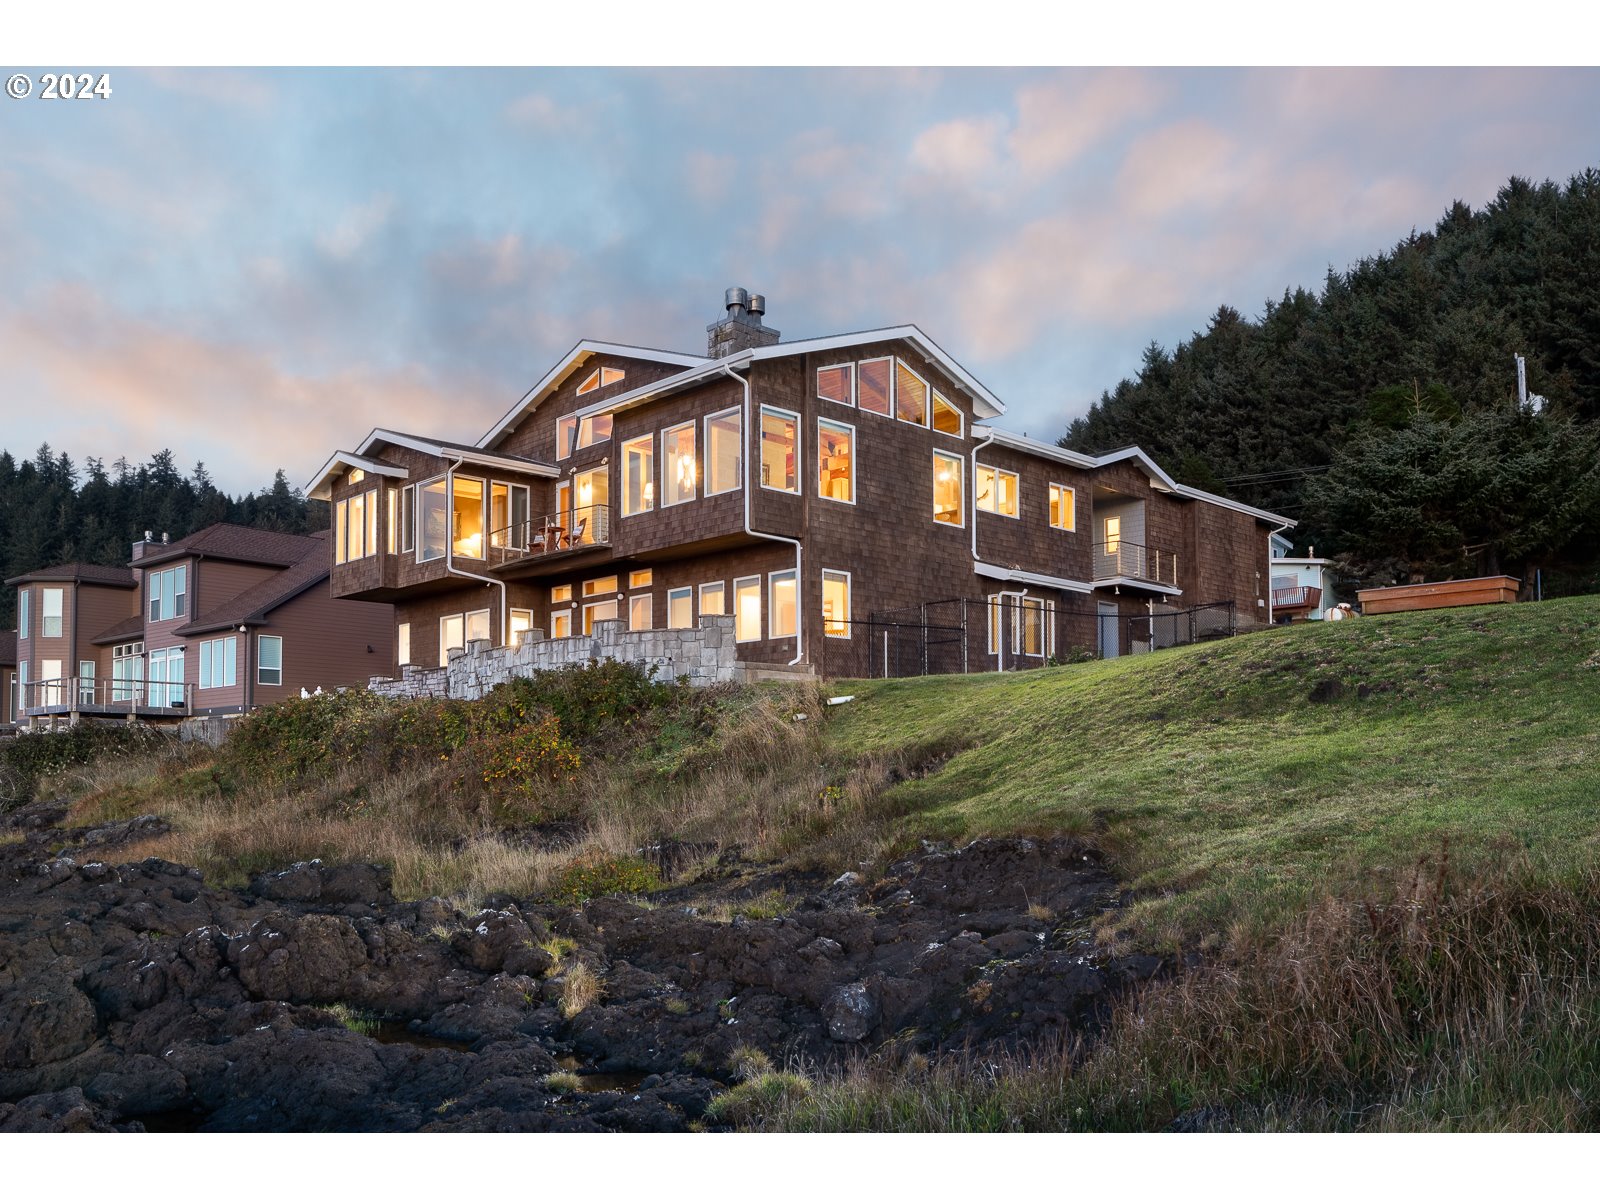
1143 585
321 487
1032 578
1260 514
1027 445
575 358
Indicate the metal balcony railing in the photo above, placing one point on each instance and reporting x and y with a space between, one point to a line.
553 533
1130 560
54 697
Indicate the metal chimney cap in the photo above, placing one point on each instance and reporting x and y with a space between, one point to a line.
735 298
758 306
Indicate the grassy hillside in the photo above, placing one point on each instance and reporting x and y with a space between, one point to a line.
1230 781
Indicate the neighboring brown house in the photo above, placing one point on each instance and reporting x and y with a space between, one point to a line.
220 622
617 488
8 679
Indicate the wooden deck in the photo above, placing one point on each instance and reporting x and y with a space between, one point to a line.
1452 593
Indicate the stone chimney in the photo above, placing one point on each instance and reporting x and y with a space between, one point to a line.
741 329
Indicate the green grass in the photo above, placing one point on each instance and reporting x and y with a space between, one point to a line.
1227 796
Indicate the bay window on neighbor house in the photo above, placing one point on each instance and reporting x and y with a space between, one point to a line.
22 612
50 606
949 470
402 649
638 475
355 527
127 672
680 608
874 386
168 593
713 600
1063 507
782 607
836 604
724 451
217 662
836 461
780 450
747 609
837 383
678 475
910 395
997 491
269 661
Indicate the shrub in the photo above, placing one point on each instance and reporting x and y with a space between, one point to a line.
27 759
562 1082
600 874
756 1100
580 988
746 1062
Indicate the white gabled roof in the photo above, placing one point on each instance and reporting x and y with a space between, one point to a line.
1016 441
322 487
576 357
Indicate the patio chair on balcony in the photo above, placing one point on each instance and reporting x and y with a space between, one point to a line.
576 538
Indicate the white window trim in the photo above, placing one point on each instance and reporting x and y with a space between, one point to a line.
706 435
772 604
591 383
799 451
614 589
1018 626
647 439
1016 487
450 517
694 487
648 598
444 650
934 398
283 669
570 613
844 366
634 582
615 603
849 602
888 358
686 592
402 644
734 597
564 446
821 421
511 632
60 617
700 598
960 463
416 517
466 620
1071 491
555 599
900 364
996 620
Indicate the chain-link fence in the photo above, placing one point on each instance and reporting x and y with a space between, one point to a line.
1143 632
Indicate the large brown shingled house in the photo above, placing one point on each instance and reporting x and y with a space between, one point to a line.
801 487
216 623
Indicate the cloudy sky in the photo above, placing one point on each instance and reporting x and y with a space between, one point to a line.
255 267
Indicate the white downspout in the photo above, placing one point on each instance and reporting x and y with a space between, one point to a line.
972 491
1270 536
449 553
744 483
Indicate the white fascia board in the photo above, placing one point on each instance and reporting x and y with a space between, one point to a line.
1303 562
1259 514
321 487
1027 445
578 354
1145 461
1014 575
664 387
476 458
1129 582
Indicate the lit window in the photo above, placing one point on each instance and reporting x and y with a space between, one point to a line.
780 450
946 416
521 623
566 429
1029 629
1113 535
605 610
948 472
594 430
466 535
402 655
355 527
408 519
994 623
997 491
873 384
508 516
747 609
641 611
269 661
391 514
680 608
724 451
478 626
433 520
561 623
1063 514
599 587
561 593
837 383
640 579
610 375
910 395
452 636
677 462
638 475
836 461
836 604
713 600
590 384
50 600
782 605
356 475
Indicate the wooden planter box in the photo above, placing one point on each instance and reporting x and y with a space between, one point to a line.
1453 593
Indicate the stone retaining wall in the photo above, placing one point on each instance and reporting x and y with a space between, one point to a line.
705 654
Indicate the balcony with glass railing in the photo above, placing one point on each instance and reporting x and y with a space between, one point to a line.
558 533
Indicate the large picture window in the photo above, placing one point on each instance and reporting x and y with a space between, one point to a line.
783 607
724 451
680 608
836 461
678 474
780 450
433 520
508 516
747 609
218 662
355 527
948 472
638 475
874 386
836 604
997 491
467 518
594 430
168 591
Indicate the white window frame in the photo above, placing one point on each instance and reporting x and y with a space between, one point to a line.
755 581
86 670
444 646
900 364
588 625
850 400
799 450
1026 604
588 425
560 614
705 473
996 611
466 627
648 485
994 492
851 430
773 579
261 667
694 484
647 602
937 398
686 595
591 384
848 603
483 517
557 596
402 644
514 635
613 580
24 594
565 445
1072 527
641 579
153 580
722 598
417 510
45 616
959 462
888 358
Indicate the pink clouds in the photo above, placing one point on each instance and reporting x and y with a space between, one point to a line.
1060 119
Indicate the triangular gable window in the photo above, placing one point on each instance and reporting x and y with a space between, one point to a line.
601 377
946 416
